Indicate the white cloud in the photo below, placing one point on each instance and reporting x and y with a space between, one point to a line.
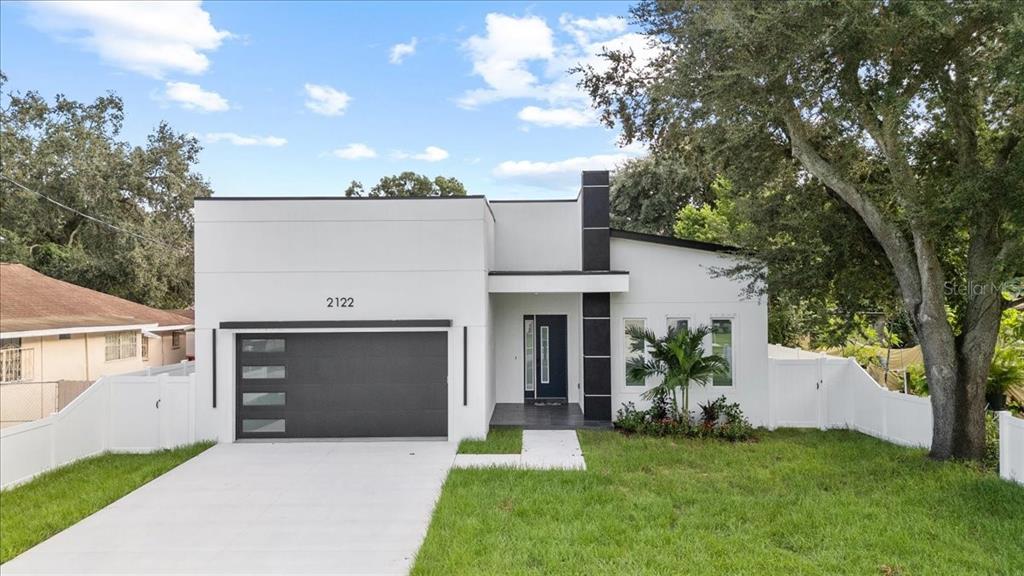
515 168
501 57
400 51
429 154
560 173
193 97
239 140
522 58
564 117
355 151
326 100
582 29
151 38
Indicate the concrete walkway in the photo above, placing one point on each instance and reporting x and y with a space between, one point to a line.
542 450
266 508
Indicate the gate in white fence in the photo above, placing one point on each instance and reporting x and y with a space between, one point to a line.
124 413
796 397
818 391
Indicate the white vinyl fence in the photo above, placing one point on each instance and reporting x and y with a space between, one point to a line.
811 390
1011 447
124 413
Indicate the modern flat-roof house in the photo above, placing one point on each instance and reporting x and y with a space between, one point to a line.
387 317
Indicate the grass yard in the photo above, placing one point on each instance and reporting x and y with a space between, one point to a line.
795 502
51 502
502 440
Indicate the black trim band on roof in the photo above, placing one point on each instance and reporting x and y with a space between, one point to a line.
556 272
669 241
271 198
338 324
250 198
537 201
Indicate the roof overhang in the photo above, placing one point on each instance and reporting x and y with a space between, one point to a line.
163 328
76 330
557 282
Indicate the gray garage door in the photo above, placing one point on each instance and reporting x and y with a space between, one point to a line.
356 384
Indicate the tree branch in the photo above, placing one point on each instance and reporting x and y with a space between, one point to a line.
883 130
1003 156
896 248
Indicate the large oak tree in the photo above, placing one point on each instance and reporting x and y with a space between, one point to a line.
906 114
125 225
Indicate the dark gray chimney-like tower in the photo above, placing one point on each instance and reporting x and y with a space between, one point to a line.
596 243
594 196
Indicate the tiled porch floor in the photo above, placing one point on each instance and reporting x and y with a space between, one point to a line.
566 416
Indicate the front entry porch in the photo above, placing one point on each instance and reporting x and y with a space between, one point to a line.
544 416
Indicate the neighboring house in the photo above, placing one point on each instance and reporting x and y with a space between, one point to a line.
336 317
57 338
190 336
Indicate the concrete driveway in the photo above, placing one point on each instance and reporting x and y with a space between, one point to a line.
250 508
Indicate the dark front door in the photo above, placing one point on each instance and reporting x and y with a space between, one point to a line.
332 385
550 357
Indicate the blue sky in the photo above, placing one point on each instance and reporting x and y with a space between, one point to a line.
302 98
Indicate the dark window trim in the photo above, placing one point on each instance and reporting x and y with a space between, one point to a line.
669 241
338 324
557 273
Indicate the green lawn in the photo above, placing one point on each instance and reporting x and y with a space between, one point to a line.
503 440
34 511
795 502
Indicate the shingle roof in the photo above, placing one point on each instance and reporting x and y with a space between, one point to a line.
33 301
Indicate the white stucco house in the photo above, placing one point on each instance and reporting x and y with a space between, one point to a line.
326 317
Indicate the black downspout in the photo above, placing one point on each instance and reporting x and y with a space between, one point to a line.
465 366
214 356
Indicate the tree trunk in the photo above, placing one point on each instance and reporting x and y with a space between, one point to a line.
957 371
940 367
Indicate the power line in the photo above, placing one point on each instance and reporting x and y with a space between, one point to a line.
87 216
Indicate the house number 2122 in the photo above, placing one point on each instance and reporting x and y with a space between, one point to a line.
341 302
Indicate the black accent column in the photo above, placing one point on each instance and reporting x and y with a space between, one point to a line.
597 399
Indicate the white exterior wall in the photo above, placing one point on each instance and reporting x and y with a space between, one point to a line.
675 282
508 340
280 260
537 235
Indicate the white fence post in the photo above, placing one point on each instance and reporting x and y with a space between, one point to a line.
1005 443
820 388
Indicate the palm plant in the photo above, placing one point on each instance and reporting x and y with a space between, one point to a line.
678 358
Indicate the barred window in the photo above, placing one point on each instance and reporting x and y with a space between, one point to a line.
176 339
121 345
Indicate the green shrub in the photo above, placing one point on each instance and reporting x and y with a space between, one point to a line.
719 419
991 460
